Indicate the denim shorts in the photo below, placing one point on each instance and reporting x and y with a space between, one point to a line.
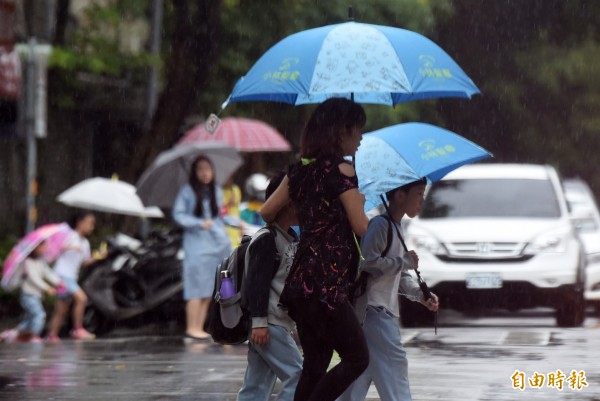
71 287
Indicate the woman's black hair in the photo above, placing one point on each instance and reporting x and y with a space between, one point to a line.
77 216
331 120
200 188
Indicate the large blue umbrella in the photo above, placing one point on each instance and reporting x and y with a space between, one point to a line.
394 156
369 63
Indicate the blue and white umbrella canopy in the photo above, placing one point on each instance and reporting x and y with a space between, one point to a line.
369 63
398 155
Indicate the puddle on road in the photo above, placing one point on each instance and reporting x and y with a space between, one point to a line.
468 351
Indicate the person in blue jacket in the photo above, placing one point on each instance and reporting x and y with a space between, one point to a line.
205 242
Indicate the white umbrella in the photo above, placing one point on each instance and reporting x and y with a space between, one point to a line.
107 195
160 183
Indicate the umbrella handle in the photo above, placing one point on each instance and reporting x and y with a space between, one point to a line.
422 284
424 287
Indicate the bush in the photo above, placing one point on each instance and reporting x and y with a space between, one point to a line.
9 301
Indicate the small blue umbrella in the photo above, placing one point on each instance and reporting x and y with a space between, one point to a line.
369 63
394 156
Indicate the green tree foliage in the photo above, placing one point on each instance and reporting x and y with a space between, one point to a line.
192 50
203 55
97 46
536 64
534 61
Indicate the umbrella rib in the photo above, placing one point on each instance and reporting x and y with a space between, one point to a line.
182 163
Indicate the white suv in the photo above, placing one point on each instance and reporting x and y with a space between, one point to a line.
499 235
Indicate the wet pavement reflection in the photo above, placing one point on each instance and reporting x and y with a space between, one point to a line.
472 359
153 368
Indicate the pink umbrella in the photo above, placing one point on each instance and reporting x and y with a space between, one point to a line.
54 234
244 134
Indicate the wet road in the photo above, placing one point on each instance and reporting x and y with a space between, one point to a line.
472 360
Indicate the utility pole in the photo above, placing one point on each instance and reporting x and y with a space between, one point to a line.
39 20
34 57
155 31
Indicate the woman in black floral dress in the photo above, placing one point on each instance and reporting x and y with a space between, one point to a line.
324 189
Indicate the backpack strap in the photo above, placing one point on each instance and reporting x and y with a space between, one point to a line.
277 260
390 235
360 285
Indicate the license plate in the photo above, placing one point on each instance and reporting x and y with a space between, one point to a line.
484 280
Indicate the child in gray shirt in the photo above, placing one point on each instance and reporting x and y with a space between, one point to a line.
386 265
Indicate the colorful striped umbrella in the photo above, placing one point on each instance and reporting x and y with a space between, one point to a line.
54 234
244 134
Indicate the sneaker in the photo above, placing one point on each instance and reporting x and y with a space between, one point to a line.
9 336
82 334
52 339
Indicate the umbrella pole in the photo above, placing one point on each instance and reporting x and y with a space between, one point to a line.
351 18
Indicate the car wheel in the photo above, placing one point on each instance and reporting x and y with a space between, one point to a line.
413 314
571 311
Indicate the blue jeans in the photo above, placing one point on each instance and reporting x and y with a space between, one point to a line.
388 366
34 314
280 358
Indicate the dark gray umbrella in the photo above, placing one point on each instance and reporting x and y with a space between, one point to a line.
160 183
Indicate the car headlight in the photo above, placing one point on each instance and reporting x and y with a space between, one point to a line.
555 241
422 243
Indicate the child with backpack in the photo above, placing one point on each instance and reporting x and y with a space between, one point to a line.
386 264
37 275
272 352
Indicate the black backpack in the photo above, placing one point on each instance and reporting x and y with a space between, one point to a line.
228 320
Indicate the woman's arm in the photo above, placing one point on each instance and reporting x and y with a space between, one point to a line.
182 210
354 204
276 201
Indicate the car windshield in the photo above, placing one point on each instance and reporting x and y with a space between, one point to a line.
491 198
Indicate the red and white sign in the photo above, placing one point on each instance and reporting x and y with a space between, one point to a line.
10 65
10 73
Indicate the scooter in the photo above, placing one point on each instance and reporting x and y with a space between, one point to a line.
135 279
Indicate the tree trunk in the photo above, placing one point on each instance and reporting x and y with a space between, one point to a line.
194 46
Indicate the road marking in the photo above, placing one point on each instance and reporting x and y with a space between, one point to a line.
408 335
525 338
